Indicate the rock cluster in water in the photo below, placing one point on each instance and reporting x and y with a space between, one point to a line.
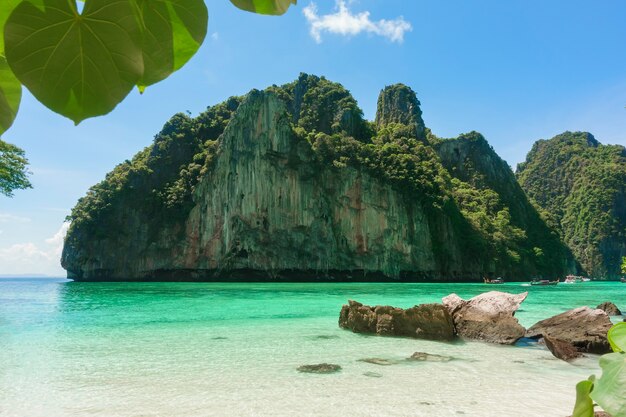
488 317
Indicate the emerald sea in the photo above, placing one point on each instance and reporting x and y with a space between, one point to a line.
232 349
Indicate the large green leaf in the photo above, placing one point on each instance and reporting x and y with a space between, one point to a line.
173 31
79 65
10 96
617 337
274 7
610 390
6 7
584 403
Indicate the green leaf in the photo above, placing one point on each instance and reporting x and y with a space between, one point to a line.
617 337
78 65
6 8
584 403
10 96
273 7
609 391
172 32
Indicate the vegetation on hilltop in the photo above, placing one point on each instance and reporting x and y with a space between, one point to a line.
163 174
581 186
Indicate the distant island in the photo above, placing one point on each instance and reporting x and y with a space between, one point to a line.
292 183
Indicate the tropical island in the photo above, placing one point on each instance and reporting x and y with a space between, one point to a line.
292 183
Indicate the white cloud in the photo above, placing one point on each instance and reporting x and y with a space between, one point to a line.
10 218
29 258
344 22
215 36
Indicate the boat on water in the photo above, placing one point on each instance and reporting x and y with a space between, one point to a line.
573 279
623 280
498 280
544 282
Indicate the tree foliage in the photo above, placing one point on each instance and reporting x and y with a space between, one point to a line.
82 64
13 169
608 390
579 183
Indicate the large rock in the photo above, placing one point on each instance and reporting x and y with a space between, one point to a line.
488 317
425 321
562 349
583 327
610 308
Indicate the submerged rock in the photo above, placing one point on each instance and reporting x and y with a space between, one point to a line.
610 308
561 349
425 321
586 329
488 317
373 374
379 361
320 368
429 357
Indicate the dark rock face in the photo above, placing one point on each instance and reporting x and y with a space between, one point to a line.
562 349
488 317
320 368
610 308
426 321
582 327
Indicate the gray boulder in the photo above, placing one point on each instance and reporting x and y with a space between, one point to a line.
488 317
582 327
425 321
610 308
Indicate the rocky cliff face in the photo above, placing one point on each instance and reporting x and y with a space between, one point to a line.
290 183
580 185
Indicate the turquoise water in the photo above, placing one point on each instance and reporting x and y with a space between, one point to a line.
185 349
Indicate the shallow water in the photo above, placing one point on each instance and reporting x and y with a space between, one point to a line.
186 349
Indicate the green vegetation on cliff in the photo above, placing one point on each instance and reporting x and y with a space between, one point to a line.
580 185
458 191
489 196
163 175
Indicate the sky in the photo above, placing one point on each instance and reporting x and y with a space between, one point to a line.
516 71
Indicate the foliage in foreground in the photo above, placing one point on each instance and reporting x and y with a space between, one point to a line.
13 171
608 391
82 64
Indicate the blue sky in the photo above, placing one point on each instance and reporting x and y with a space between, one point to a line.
516 71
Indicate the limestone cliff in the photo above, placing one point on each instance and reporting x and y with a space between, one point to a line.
289 183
